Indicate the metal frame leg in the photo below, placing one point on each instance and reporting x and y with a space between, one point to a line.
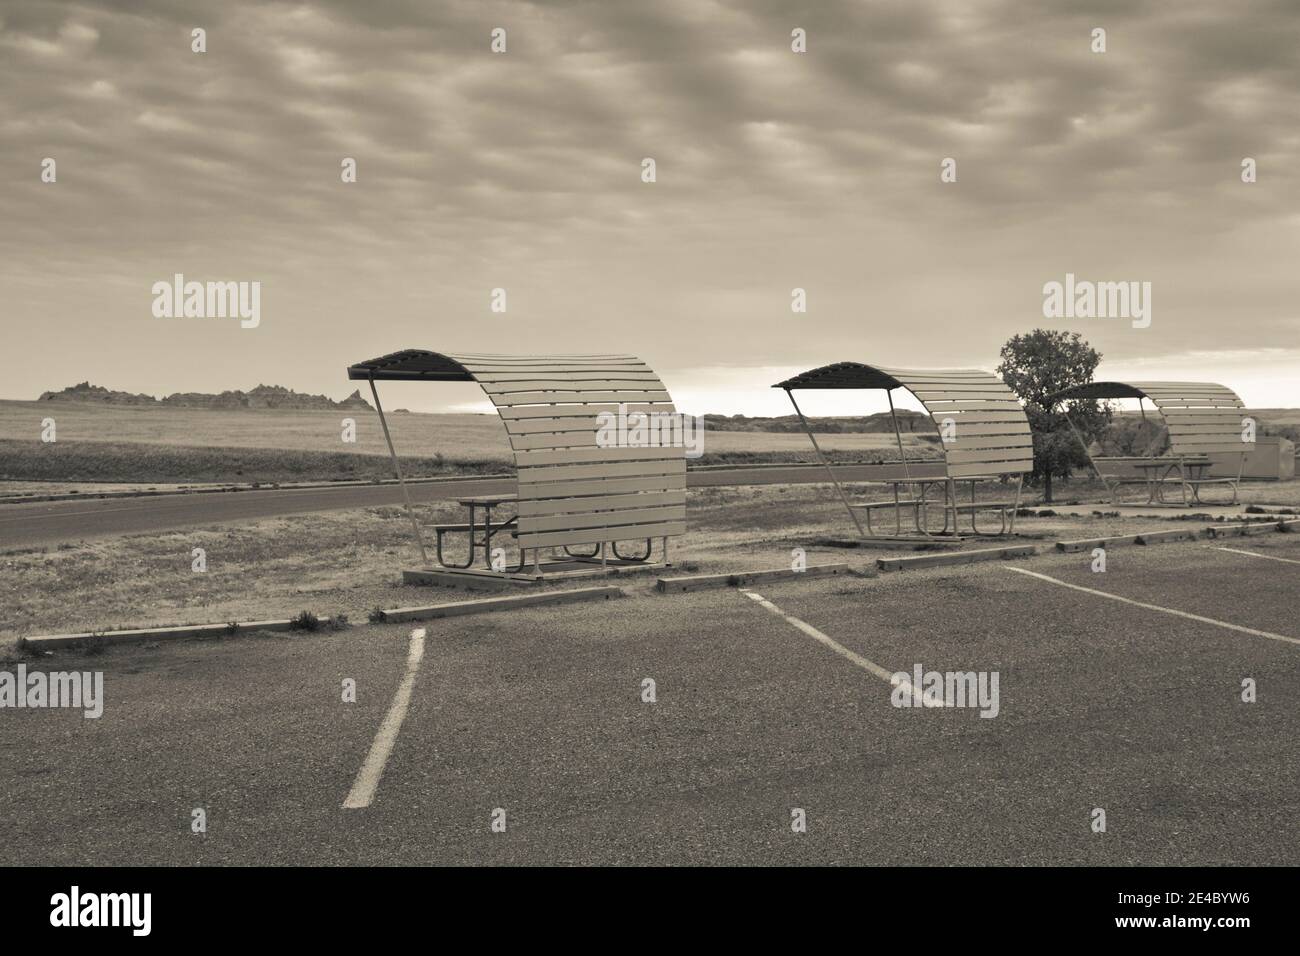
397 468
649 545
439 532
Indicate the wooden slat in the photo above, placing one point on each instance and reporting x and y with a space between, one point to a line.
578 387
1193 403
909 375
631 532
997 428
530 476
559 426
978 418
1203 417
539 398
511 415
936 407
644 499
1201 448
575 439
930 381
1185 388
572 375
601 519
988 444
573 456
974 393
970 453
599 486
964 456
991 468
1191 431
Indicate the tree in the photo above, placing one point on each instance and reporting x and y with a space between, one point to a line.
1036 366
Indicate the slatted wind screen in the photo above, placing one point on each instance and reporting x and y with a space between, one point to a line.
572 491
1203 417
986 425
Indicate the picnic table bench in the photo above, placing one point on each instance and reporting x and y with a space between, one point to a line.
983 431
1202 418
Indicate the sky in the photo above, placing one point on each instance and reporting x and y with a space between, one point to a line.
523 170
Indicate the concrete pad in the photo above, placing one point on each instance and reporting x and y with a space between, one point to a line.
956 558
470 582
696 582
485 605
1166 511
1161 537
1088 544
913 543
481 579
1262 527
1245 529
1226 531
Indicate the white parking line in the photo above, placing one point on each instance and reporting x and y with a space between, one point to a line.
871 667
1156 607
1256 554
367 782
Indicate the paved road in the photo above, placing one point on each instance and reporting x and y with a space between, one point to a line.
1103 704
46 523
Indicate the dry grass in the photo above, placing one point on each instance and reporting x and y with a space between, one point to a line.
458 436
152 446
350 561
461 436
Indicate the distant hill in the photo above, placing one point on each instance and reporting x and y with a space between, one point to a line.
908 421
263 396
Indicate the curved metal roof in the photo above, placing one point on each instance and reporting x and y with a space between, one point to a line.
983 425
1202 417
572 486
1160 393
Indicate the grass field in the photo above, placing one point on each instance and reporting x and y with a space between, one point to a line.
350 561
171 445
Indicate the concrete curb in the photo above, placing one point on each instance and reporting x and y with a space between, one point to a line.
956 558
178 632
184 631
1181 534
1245 529
484 605
698 582
1088 544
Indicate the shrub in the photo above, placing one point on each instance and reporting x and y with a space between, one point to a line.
304 621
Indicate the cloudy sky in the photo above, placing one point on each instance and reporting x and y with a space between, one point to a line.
522 170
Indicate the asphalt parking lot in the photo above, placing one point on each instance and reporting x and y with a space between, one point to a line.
1134 707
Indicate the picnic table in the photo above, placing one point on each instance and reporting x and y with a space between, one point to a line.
478 534
918 491
1193 472
1201 419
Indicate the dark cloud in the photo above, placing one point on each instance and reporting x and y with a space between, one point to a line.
775 170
